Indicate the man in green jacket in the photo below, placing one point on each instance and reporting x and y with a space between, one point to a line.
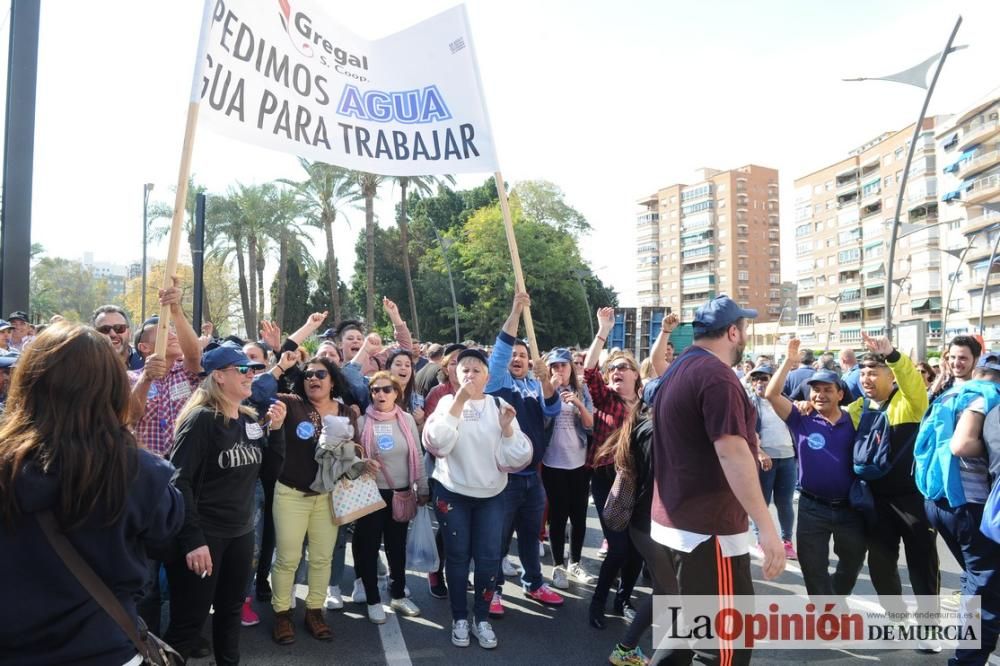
899 506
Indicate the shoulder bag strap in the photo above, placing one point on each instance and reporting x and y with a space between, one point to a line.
89 580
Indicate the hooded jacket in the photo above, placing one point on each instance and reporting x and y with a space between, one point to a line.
48 618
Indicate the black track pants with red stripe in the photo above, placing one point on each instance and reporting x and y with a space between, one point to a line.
705 571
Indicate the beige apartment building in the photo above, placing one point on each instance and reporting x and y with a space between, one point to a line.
718 235
968 144
843 216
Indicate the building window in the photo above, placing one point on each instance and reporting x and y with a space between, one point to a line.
743 276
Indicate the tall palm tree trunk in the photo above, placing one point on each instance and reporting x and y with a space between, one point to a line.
241 269
370 257
331 269
252 324
279 305
404 238
260 286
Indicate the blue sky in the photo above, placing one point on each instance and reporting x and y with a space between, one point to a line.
608 100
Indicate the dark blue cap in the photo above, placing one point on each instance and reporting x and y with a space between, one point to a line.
328 334
824 377
989 361
4 325
8 361
762 370
18 314
225 355
559 355
720 312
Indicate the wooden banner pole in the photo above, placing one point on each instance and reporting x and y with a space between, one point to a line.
180 200
515 257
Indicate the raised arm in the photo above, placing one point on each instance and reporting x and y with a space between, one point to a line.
910 384
606 322
186 336
659 349
399 328
521 300
312 324
782 405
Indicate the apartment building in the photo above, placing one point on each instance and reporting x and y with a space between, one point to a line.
843 218
968 144
718 235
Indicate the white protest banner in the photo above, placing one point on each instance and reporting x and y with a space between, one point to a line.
282 75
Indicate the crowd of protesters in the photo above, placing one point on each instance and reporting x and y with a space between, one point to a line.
206 471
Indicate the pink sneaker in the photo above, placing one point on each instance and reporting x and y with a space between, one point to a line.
248 617
603 551
496 606
790 552
546 596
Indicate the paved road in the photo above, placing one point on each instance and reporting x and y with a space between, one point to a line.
530 633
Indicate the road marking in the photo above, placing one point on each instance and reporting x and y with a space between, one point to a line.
393 643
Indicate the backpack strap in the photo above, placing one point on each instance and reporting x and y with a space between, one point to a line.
89 580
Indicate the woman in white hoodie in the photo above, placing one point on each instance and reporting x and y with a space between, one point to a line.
476 440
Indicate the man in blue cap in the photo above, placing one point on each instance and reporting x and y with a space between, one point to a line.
824 439
705 480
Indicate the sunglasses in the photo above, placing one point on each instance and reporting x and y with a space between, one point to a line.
318 374
242 369
760 378
620 366
117 328
384 389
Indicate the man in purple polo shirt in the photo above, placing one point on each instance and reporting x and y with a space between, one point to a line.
824 440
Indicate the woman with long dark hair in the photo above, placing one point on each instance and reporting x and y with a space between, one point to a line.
218 450
65 448
389 435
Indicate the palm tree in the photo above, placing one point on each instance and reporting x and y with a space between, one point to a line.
422 185
368 184
323 195
292 241
230 241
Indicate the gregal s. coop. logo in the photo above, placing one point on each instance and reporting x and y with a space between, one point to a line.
306 40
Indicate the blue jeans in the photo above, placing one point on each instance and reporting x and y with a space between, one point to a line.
980 558
817 523
258 534
780 481
473 529
524 504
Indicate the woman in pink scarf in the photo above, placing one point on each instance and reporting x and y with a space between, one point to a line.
389 435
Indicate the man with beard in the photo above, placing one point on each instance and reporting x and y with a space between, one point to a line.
111 320
705 478
962 355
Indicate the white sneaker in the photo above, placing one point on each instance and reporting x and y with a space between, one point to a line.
483 631
509 570
334 601
376 613
930 645
358 595
559 579
579 574
292 602
460 633
406 591
541 549
404 607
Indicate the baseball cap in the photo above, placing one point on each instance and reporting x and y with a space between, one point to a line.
872 360
720 312
4 325
762 370
225 355
328 334
7 361
434 350
18 314
474 353
455 346
559 355
824 377
989 361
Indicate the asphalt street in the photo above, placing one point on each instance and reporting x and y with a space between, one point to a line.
529 633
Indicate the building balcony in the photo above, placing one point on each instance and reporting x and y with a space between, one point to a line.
978 164
647 218
982 190
978 134
979 223
848 184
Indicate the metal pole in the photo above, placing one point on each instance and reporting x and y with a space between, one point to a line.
906 172
198 259
146 189
986 283
451 283
586 302
18 157
951 284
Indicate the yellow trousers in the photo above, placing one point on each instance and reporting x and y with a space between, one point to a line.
296 516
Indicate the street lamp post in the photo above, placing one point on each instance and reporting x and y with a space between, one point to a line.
580 274
146 189
829 326
914 76
451 282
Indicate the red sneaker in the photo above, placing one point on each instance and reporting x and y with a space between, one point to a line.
545 595
248 617
496 606
790 553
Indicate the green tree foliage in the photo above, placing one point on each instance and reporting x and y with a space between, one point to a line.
296 296
388 278
320 300
542 201
67 288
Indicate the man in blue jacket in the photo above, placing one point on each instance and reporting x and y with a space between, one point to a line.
524 498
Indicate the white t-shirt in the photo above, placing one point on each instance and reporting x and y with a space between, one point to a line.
566 450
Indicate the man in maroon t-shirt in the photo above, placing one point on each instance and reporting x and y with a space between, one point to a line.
705 467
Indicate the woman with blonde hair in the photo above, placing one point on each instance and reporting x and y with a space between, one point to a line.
218 450
388 435
66 452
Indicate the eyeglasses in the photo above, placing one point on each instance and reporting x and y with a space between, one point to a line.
242 369
619 366
384 389
579 363
760 378
318 374
117 328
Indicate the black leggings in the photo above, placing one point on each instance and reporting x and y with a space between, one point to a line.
622 555
191 596
661 569
567 491
369 532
